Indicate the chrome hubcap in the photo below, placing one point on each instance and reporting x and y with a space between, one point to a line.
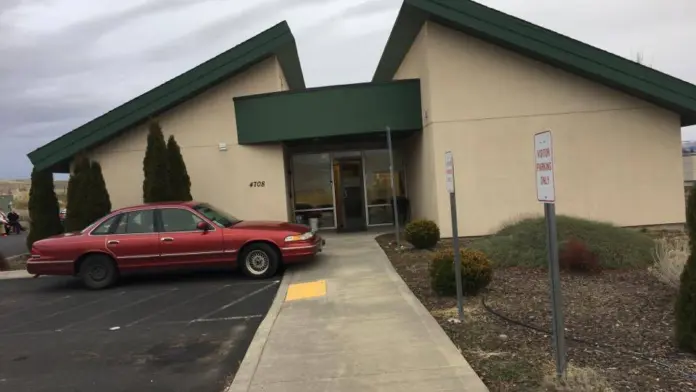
97 273
257 262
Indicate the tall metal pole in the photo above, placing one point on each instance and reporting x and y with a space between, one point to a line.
393 188
555 277
457 256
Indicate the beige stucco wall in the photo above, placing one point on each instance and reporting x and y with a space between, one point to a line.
617 158
219 177
419 149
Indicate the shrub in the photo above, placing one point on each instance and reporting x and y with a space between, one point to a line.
77 214
179 180
576 379
43 208
476 272
99 200
670 257
156 167
575 256
422 234
524 243
685 307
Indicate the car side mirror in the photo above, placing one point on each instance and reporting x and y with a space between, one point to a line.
204 226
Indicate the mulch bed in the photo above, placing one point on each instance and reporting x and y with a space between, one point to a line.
629 313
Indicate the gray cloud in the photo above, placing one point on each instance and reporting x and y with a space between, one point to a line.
59 72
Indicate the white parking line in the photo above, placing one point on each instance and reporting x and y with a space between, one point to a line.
96 316
236 301
151 315
62 312
44 304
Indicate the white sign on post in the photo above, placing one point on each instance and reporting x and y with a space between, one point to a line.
449 172
543 153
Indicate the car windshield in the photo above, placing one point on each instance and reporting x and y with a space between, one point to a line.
218 217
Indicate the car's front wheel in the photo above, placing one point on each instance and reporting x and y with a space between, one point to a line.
98 272
259 260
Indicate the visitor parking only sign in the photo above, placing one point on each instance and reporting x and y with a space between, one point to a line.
543 153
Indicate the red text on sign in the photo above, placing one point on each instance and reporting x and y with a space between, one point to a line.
546 166
544 153
545 180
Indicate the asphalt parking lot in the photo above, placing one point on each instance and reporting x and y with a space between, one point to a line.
170 333
13 244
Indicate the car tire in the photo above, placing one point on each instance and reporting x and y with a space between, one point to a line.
259 261
98 272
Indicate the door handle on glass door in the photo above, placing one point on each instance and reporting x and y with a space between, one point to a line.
167 239
112 242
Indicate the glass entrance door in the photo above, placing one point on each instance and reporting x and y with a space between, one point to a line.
349 191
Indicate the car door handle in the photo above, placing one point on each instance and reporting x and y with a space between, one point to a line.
167 239
112 242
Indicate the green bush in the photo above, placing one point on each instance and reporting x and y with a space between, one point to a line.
44 220
477 272
422 234
156 167
685 306
99 200
523 244
179 180
77 215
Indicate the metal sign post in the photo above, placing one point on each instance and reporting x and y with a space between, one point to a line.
393 188
546 193
449 181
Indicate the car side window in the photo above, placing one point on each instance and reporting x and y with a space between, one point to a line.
177 219
107 226
137 222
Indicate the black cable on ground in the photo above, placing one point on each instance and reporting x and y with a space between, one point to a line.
587 342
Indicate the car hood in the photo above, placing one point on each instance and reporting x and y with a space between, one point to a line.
272 225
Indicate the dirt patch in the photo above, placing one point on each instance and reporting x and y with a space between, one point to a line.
627 313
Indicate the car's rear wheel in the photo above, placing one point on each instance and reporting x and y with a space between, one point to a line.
259 260
98 272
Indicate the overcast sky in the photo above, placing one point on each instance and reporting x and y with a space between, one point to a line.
64 62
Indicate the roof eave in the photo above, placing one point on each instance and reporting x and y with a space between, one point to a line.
277 41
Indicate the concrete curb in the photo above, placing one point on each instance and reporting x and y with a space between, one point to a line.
247 369
18 274
443 342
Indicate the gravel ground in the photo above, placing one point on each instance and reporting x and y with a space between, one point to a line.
627 315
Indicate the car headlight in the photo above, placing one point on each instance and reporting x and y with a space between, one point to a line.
299 237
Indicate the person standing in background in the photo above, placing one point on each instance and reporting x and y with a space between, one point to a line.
4 222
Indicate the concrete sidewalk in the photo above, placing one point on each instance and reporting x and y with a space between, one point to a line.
365 332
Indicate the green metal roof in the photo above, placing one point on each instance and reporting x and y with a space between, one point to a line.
325 112
278 41
541 44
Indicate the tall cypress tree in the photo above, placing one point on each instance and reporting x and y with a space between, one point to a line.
179 180
99 200
685 307
77 211
43 208
156 167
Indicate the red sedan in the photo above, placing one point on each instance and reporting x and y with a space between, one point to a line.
171 235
